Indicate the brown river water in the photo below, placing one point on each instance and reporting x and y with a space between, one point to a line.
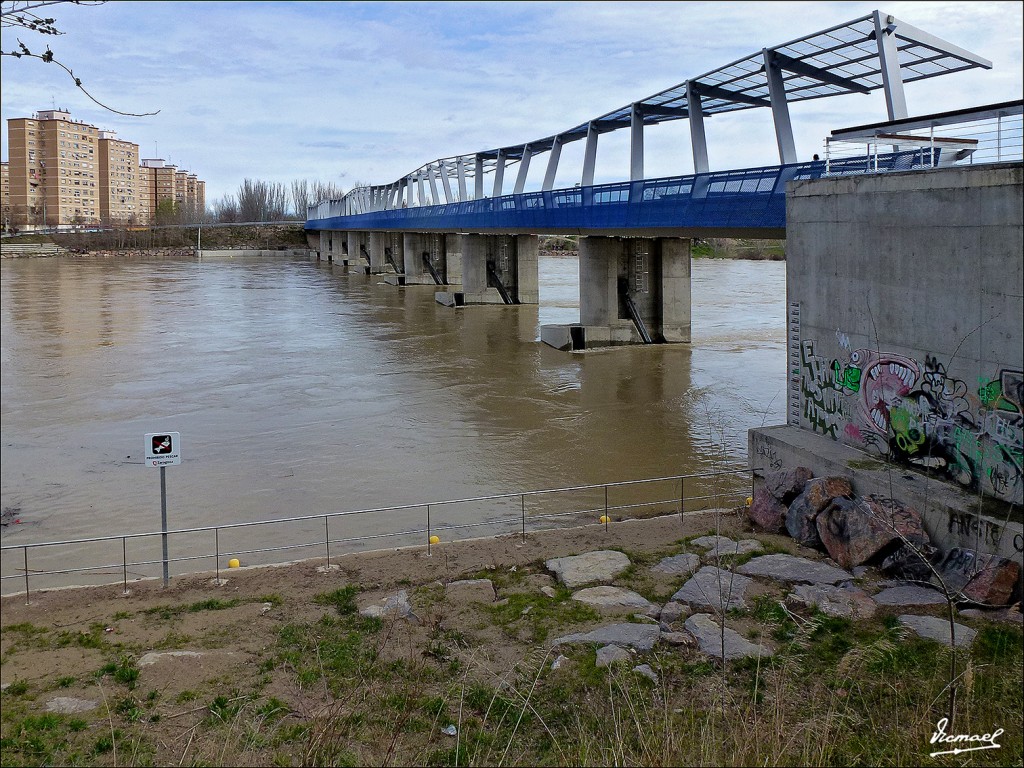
300 389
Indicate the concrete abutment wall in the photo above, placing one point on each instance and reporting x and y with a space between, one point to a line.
905 348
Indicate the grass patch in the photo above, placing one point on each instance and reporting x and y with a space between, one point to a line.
539 614
167 612
343 600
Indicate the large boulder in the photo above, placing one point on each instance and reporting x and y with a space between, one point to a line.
792 568
677 565
588 568
934 628
911 562
714 588
642 637
786 484
856 530
766 511
840 602
803 512
721 642
616 600
980 578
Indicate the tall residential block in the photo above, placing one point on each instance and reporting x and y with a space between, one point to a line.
119 172
54 168
62 172
5 195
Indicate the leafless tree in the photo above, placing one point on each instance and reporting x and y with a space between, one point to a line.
262 200
22 14
225 210
300 197
325 190
306 193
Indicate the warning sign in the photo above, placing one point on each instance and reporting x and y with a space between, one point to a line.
163 449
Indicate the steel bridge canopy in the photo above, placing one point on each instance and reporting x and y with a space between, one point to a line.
833 62
872 52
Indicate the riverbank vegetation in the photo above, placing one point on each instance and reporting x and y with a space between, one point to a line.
275 236
280 667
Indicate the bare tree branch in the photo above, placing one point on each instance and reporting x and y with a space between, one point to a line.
15 14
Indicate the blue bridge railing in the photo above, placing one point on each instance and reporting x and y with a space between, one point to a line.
753 198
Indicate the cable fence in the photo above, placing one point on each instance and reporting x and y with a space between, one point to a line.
124 558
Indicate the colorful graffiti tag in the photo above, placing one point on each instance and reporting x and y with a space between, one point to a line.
919 415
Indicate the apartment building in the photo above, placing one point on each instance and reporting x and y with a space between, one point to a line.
119 170
54 170
162 179
5 195
64 173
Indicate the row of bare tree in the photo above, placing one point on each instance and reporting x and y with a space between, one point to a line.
258 200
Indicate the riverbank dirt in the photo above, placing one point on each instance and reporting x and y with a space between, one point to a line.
218 640
277 666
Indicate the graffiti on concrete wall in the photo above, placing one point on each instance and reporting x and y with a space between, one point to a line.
917 413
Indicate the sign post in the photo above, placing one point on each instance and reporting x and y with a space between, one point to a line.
163 449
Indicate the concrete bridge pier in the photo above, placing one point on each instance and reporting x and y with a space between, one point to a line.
386 253
632 291
325 248
356 254
426 258
496 269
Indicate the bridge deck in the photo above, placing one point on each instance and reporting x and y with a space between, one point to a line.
739 203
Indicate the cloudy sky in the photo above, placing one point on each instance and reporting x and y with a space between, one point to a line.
367 92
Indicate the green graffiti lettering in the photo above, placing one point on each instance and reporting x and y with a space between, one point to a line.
908 436
989 392
848 378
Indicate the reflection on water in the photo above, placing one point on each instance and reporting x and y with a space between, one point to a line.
300 389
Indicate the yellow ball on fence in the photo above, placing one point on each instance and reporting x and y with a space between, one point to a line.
605 519
233 563
750 500
435 539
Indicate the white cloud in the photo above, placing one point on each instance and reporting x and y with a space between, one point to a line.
370 91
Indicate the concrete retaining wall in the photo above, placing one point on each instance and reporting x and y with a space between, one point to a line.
905 316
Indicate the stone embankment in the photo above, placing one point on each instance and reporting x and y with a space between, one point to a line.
856 531
720 585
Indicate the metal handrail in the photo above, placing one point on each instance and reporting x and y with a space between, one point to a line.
325 539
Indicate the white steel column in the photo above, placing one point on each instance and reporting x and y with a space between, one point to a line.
422 198
448 197
435 198
888 58
478 177
589 156
524 169
463 195
499 174
780 109
410 194
698 139
636 144
552 169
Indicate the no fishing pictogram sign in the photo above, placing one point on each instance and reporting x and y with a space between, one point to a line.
163 449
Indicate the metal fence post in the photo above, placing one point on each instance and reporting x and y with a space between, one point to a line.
327 538
428 530
522 501
216 553
25 550
682 496
124 563
606 509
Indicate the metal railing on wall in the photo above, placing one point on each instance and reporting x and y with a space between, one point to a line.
969 137
97 559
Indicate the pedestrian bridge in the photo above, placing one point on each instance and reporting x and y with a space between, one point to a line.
438 226
738 203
